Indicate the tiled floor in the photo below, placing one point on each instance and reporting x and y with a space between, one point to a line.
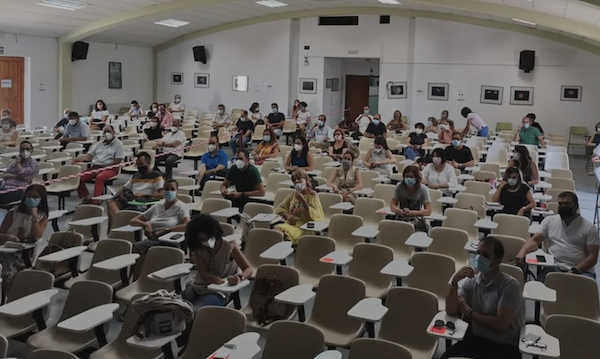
587 197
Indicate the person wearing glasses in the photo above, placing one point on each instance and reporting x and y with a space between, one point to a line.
493 303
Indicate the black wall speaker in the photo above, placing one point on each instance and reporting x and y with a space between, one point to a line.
79 50
527 60
199 54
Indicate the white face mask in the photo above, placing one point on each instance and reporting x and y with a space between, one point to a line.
298 147
338 137
5 126
25 154
212 148
418 131
210 243
109 136
155 109
72 122
378 150
174 129
300 186
220 112
239 164
177 100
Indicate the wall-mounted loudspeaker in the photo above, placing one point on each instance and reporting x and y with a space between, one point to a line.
79 50
199 54
527 61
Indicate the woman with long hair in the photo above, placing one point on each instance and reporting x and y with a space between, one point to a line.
380 158
411 198
515 195
299 157
267 148
522 160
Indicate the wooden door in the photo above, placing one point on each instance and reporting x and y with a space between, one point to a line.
357 94
12 86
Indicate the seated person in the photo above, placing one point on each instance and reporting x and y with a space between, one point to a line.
303 118
363 120
243 134
267 148
595 139
213 162
168 215
514 195
99 115
255 115
76 130
432 125
9 132
145 184
376 128
275 120
106 153
153 109
529 135
24 223
439 174
177 105
411 200
298 208
135 110
347 177
458 155
444 116
321 134
492 301
396 124
380 158
338 146
418 140
523 161
172 143
165 118
445 132
153 130
220 118
347 125
295 108
300 157
572 240
61 125
19 174
246 179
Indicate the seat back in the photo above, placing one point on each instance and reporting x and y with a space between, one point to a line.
451 242
512 225
462 219
471 201
484 176
50 354
384 192
123 218
367 209
578 337
85 295
561 173
368 178
497 155
282 341
556 160
185 181
84 211
3 346
210 186
328 200
267 166
564 183
368 260
215 204
308 252
320 161
258 241
106 249
512 246
434 196
157 258
280 195
376 348
575 295
274 181
253 208
394 235
27 282
482 188
340 229
432 272
66 172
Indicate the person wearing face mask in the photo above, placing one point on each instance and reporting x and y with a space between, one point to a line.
221 118
364 119
145 184
173 143
103 154
152 129
8 133
380 158
135 110
99 115
177 105
295 108
303 117
376 128
243 134
417 140
534 123
458 155
571 239
439 174
255 115
165 117
19 174
432 125
246 180
275 120
347 177
338 147
446 131
411 200
299 157
524 162
267 148
76 130
493 303
444 116
476 121
321 134
514 195
348 125
61 125
396 124
213 162
529 135
298 208
153 109
168 215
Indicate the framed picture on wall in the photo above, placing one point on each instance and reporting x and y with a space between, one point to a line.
328 83
335 84
115 75
176 78
239 83
396 90
491 94
570 93
202 80
309 85
437 91
521 95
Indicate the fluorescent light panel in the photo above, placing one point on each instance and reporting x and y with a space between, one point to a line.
172 23
271 3
525 22
63 4
390 2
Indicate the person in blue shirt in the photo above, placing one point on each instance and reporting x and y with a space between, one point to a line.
213 162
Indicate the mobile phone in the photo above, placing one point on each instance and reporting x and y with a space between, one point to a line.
310 225
540 259
177 236
530 338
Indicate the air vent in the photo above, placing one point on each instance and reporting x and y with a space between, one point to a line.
384 19
338 21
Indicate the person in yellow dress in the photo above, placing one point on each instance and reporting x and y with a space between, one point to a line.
298 208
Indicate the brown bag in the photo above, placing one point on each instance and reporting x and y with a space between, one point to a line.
59 241
264 307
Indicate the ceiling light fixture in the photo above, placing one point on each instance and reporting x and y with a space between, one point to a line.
390 2
63 4
172 23
271 3
524 22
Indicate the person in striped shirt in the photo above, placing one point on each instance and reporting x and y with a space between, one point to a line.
19 174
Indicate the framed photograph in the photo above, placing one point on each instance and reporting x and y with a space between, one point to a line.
202 80
491 94
115 75
570 93
176 78
239 83
521 95
437 91
396 90
328 83
309 85
335 85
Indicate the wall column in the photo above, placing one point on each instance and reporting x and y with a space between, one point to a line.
65 83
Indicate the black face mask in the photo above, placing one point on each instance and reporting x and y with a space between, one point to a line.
142 169
566 212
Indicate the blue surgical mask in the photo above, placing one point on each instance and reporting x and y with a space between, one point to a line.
32 202
455 143
366 112
267 138
169 196
526 126
409 181
320 123
482 264
376 122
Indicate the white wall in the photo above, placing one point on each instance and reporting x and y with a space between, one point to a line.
261 52
90 76
333 102
41 62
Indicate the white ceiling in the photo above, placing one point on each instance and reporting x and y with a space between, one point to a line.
24 17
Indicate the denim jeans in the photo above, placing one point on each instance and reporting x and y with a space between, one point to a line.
199 301
484 132
546 270
411 153
233 143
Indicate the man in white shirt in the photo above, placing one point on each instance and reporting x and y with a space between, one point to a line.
364 119
572 240
177 105
321 134
105 155
172 143
220 118
135 110
303 117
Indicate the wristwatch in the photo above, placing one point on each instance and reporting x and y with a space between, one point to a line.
451 285
575 270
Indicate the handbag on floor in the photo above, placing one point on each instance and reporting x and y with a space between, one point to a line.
161 313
